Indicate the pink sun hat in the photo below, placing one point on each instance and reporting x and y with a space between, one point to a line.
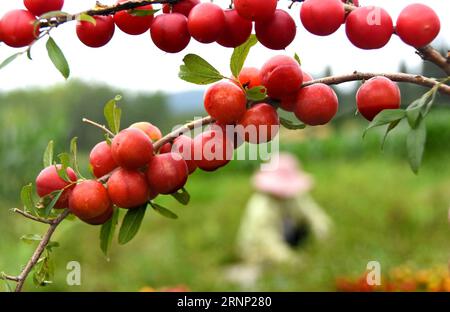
282 177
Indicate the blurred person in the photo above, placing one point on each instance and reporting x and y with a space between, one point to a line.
280 215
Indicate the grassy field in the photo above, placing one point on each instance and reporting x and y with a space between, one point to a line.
381 211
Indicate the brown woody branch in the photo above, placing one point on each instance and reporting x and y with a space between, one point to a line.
31 217
399 77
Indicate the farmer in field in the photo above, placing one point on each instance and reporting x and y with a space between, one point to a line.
281 214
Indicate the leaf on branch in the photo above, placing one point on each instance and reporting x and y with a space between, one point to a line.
290 125
197 70
163 211
57 57
83 17
31 238
107 232
255 94
182 196
44 270
9 60
391 127
137 12
64 159
113 114
131 224
48 155
415 143
240 55
385 117
26 196
54 196
74 154
297 58
414 115
51 245
52 14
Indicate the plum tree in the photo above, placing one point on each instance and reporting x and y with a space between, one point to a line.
136 166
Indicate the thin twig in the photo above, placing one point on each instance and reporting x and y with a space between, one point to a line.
399 77
39 250
34 218
102 127
9 277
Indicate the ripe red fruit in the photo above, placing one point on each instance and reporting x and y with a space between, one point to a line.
170 33
322 17
236 30
212 150
256 10
277 32
131 24
369 27
102 218
48 181
131 148
250 77
183 7
316 104
89 201
128 188
39 7
101 160
377 94
167 173
261 124
149 129
225 102
281 75
289 102
184 146
206 22
17 28
230 131
97 35
418 25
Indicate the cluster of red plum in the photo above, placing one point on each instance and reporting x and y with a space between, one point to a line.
366 27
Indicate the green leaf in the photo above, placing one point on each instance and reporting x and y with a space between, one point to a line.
107 232
290 125
131 224
43 270
240 55
57 57
139 12
414 115
113 114
297 58
54 198
26 195
164 211
52 14
29 53
83 17
9 60
415 143
31 238
255 94
391 127
64 159
48 155
182 196
74 153
51 245
385 117
197 70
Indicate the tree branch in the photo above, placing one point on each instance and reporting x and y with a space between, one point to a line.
31 217
183 129
430 54
399 77
39 250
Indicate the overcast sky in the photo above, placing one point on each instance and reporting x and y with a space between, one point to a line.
133 62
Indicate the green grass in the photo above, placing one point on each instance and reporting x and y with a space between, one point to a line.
381 211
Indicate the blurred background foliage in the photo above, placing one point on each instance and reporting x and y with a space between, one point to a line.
381 210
